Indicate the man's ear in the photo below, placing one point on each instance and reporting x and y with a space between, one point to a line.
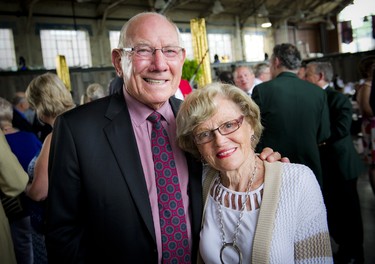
276 62
116 61
321 76
184 55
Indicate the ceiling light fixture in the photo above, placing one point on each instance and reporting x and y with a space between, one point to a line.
266 25
329 24
159 4
262 11
217 8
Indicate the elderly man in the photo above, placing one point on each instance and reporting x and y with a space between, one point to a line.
341 167
244 77
22 119
120 188
262 73
294 112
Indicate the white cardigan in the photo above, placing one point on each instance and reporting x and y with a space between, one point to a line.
292 224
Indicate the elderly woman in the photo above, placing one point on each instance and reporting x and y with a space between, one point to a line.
255 211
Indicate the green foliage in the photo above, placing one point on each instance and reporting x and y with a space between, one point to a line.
189 68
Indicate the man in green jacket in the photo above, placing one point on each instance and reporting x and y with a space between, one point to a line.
341 167
294 112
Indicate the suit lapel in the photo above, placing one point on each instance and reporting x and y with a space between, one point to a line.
127 156
130 164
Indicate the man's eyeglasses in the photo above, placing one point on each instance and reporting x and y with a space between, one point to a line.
146 52
224 129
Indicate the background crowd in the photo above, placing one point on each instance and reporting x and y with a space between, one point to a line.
96 163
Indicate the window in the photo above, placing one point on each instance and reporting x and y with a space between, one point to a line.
114 37
254 47
359 15
188 45
7 53
74 45
221 45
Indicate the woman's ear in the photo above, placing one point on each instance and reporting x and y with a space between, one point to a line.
116 61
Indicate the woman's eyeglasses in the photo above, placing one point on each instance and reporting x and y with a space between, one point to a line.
224 129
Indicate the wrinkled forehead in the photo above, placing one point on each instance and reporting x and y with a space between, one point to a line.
243 71
152 29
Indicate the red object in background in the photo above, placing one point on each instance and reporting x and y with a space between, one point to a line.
185 87
346 32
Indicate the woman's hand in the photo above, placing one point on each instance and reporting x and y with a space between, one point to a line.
269 155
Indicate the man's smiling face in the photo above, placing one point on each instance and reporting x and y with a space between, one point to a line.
152 80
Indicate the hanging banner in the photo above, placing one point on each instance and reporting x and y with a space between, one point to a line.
346 32
200 46
62 71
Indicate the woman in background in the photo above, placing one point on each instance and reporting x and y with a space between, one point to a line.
367 68
49 97
25 145
94 91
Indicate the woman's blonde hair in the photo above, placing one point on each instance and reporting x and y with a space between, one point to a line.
6 112
48 95
94 91
199 106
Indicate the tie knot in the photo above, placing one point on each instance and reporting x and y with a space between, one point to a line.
154 117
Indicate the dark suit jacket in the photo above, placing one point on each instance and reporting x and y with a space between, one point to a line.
295 117
340 160
98 205
21 122
39 129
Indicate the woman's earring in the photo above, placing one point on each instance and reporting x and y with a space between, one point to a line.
204 162
252 138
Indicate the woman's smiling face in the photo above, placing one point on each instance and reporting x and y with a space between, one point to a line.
226 152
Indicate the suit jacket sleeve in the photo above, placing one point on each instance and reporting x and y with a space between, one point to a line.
64 221
341 113
13 178
324 131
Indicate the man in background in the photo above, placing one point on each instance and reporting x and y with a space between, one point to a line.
262 73
294 112
25 118
341 166
243 78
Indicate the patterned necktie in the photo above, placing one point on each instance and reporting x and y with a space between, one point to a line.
174 236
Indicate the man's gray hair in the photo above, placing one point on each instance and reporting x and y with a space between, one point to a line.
324 67
288 55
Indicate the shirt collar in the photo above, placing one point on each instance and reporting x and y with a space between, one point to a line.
139 111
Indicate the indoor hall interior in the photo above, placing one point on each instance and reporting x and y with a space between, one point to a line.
234 31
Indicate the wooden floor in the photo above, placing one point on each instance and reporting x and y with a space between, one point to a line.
367 200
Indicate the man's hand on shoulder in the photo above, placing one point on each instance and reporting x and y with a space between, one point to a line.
271 156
